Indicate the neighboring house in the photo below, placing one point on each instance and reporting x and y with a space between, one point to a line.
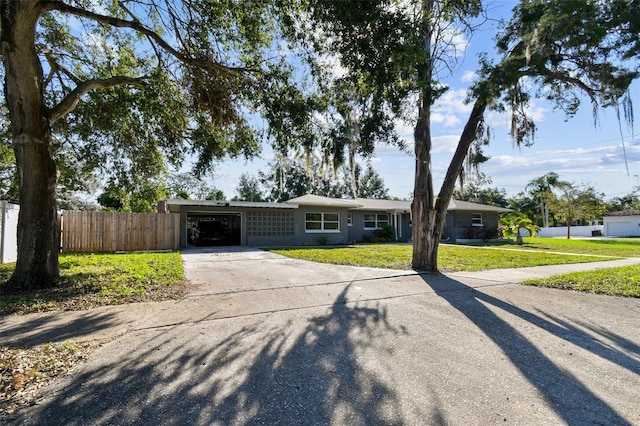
625 223
310 219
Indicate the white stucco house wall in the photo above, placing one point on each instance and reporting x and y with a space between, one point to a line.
8 232
625 223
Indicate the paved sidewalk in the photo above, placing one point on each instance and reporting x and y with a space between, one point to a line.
264 339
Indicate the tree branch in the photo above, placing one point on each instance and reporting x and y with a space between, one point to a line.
137 26
455 167
545 72
70 101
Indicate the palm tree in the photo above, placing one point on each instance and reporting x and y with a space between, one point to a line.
541 190
514 222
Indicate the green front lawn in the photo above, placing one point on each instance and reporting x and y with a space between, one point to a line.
451 257
620 247
89 280
623 281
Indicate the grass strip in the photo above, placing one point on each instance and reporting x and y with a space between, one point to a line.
618 247
622 281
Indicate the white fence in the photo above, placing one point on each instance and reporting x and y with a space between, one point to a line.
8 232
576 231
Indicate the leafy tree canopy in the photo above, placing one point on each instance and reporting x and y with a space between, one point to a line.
559 50
576 203
123 88
248 189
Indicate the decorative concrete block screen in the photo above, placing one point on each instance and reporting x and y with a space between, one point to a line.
269 224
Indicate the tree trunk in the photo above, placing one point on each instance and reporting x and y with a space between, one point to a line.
429 216
37 262
425 230
424 233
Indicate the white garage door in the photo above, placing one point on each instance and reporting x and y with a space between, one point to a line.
623 229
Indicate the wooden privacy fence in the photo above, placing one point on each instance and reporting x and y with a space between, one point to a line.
86 231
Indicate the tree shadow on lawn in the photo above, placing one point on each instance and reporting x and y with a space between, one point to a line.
267 372
571 399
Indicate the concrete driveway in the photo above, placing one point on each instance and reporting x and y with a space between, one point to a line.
268 340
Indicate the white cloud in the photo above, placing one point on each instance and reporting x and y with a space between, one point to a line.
468 76
453 102
448 120
602 166
404 129
444 144
503 119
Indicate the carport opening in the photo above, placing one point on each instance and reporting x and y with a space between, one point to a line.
207 229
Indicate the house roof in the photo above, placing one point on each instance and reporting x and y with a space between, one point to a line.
628 212
398 206
388 205
405 206
469 206
224 203
317 200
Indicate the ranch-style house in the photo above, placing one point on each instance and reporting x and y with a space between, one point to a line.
312 219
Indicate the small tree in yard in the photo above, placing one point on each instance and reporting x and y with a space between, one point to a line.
514 222
575 203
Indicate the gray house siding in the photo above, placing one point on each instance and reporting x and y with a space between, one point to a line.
304 236
358 232
460 222
311 220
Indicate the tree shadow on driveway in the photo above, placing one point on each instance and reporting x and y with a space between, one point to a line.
264 372
44 328
571 399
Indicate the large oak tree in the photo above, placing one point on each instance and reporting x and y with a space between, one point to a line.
126 86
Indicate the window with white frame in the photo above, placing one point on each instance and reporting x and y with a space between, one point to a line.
375 221
322 222
476 219
349 219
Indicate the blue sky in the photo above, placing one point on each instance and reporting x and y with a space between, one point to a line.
577 150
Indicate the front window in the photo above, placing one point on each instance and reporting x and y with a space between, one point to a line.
476 219
322 222
375 221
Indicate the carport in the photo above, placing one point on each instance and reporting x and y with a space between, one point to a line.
214 229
